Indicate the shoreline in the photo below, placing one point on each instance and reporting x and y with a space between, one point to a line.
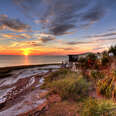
6 71
28 66
24 89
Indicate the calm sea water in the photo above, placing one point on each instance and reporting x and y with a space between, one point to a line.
10 60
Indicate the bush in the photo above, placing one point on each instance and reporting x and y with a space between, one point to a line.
90 61
96 75
83 62
71 87
67 84
105 53
60 74
94 107
105 60
105 87
92 57
113 50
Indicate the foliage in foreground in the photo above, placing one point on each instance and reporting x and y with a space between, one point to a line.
94 107
60 74
96 75
105 87
71 88
67 84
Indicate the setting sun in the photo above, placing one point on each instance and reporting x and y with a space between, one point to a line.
26 52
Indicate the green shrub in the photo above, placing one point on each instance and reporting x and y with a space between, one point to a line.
96 75
92 57
59 74
90 61
71 87
105 54
105 60
112 50
94 107
83 62
67 84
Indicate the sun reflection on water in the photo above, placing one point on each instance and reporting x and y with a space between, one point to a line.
26 60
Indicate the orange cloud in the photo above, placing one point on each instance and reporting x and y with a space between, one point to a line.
14 36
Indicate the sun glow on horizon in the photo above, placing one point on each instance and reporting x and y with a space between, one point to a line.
26 52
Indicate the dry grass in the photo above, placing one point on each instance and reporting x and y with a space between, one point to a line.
69 85
94 107
62 109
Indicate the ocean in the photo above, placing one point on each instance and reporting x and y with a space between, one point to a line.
15 60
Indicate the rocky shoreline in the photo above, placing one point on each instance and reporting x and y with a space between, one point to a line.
21 92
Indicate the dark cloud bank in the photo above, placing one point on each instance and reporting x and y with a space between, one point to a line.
108 34
63 16
12 24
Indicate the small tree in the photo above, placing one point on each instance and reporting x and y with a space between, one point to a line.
105 54
89 61
92 58
104 60
112 50
83 62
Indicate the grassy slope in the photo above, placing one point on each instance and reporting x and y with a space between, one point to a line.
71 86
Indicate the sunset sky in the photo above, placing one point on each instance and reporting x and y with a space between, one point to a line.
56 27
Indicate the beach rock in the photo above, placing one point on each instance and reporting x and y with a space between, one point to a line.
37 111
43 107
2 105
